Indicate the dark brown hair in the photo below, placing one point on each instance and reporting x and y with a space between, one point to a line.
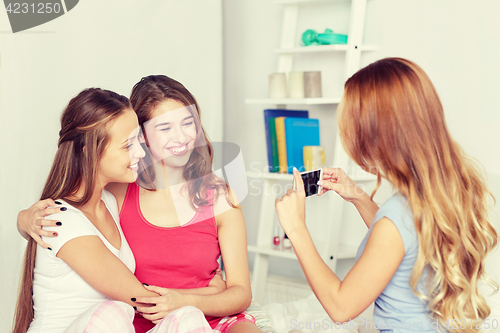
83 124
146 95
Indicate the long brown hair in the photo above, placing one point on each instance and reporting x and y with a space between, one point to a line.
146 95
392 122
83 124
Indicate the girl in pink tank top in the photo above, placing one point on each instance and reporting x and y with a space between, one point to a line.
189 252
177 242
183 257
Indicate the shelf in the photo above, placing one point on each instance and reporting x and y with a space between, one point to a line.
345 251
272 251
329 241
290 101
295 2
284 176
322 48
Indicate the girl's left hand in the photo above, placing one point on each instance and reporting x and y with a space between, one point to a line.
218 282
159 307
291 207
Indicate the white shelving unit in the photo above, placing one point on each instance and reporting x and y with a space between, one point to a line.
331 248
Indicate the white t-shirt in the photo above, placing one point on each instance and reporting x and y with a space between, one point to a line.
60 295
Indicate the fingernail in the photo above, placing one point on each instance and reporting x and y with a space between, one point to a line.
135 308
146 284
63 208
295 169
58 223
133 299
58 203
54 233
320 182
49 248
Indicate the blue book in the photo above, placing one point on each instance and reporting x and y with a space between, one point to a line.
299 132
273 113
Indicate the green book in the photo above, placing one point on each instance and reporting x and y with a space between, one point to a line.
274 145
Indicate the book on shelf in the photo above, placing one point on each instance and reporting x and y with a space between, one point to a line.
281 139
299 132
273 113
274 146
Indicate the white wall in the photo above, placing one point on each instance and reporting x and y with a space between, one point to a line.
109 44
456 42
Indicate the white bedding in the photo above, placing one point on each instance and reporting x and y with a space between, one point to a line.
309 316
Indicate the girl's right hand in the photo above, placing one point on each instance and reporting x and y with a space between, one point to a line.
30 221
337 180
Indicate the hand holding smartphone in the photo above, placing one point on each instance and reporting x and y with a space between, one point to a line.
310 179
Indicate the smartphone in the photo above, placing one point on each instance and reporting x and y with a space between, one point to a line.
310 179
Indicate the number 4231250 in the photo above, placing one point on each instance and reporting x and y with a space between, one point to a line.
39 8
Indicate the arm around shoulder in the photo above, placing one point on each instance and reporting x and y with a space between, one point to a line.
30 222
79 245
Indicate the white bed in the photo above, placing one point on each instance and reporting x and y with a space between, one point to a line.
308 316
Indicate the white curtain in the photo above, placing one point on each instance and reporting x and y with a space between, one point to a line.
109 44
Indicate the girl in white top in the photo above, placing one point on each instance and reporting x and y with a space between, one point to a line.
69 287
55 282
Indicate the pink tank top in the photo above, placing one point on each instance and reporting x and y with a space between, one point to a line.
170 257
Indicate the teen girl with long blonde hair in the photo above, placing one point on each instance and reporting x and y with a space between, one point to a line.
424 253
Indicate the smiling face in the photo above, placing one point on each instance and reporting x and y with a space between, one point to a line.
119 162
171 133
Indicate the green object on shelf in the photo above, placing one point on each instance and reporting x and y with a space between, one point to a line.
311 37
332 38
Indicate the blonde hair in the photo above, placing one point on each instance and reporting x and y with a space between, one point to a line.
392 120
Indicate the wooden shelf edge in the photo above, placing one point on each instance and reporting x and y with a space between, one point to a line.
345 251
313 49
272 251
290 101
322 48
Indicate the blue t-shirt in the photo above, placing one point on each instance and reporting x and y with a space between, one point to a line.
397 308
